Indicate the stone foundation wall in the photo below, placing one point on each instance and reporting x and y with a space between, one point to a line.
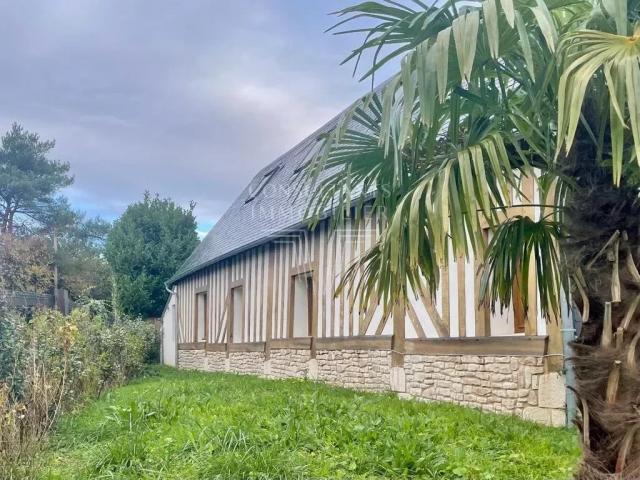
358 369
192 359
515 385
503 384
547 401
288 362
247 362
216 362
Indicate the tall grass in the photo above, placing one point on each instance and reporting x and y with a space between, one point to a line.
51 363
188 425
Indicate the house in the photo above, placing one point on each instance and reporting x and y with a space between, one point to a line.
257 297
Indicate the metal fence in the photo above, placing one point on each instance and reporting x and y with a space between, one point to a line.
28 299
31 301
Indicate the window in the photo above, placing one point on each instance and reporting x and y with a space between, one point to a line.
254 192
301 305
237 314
201 317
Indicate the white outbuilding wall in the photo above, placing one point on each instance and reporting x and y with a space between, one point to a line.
169 345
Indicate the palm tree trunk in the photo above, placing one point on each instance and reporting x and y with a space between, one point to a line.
602 249
608 387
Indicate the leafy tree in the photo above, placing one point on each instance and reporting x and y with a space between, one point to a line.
28 262
29 179
145 247
25 264
84 270
490 92
39 231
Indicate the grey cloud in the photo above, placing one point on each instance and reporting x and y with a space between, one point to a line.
187 99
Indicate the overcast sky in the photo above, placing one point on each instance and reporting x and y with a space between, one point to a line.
184 98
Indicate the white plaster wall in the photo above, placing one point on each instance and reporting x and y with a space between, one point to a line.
169 333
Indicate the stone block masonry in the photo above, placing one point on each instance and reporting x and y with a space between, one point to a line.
515 385
192 359
216 362
289 363
246 362
502 384
358 369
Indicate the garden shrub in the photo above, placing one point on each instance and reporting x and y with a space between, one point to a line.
51 363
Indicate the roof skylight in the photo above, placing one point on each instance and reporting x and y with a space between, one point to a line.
254 192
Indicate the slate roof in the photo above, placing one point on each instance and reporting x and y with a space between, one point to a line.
277 209
274 211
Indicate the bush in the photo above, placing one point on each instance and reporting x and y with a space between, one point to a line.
52 362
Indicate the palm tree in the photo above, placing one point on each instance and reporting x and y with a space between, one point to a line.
489 93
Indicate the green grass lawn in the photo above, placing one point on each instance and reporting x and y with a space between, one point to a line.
186 425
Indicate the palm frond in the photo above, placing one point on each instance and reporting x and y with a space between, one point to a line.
508 262
440 145
587 53
398 26
346 166
455 192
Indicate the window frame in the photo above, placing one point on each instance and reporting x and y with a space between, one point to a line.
309 270
264 181
201 292
238 284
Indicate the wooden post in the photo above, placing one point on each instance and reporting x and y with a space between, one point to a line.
291 303
270 281
531 321
55 262
229 312
483 315
398 343
315 286
462 302
554 361
229 323
446 307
